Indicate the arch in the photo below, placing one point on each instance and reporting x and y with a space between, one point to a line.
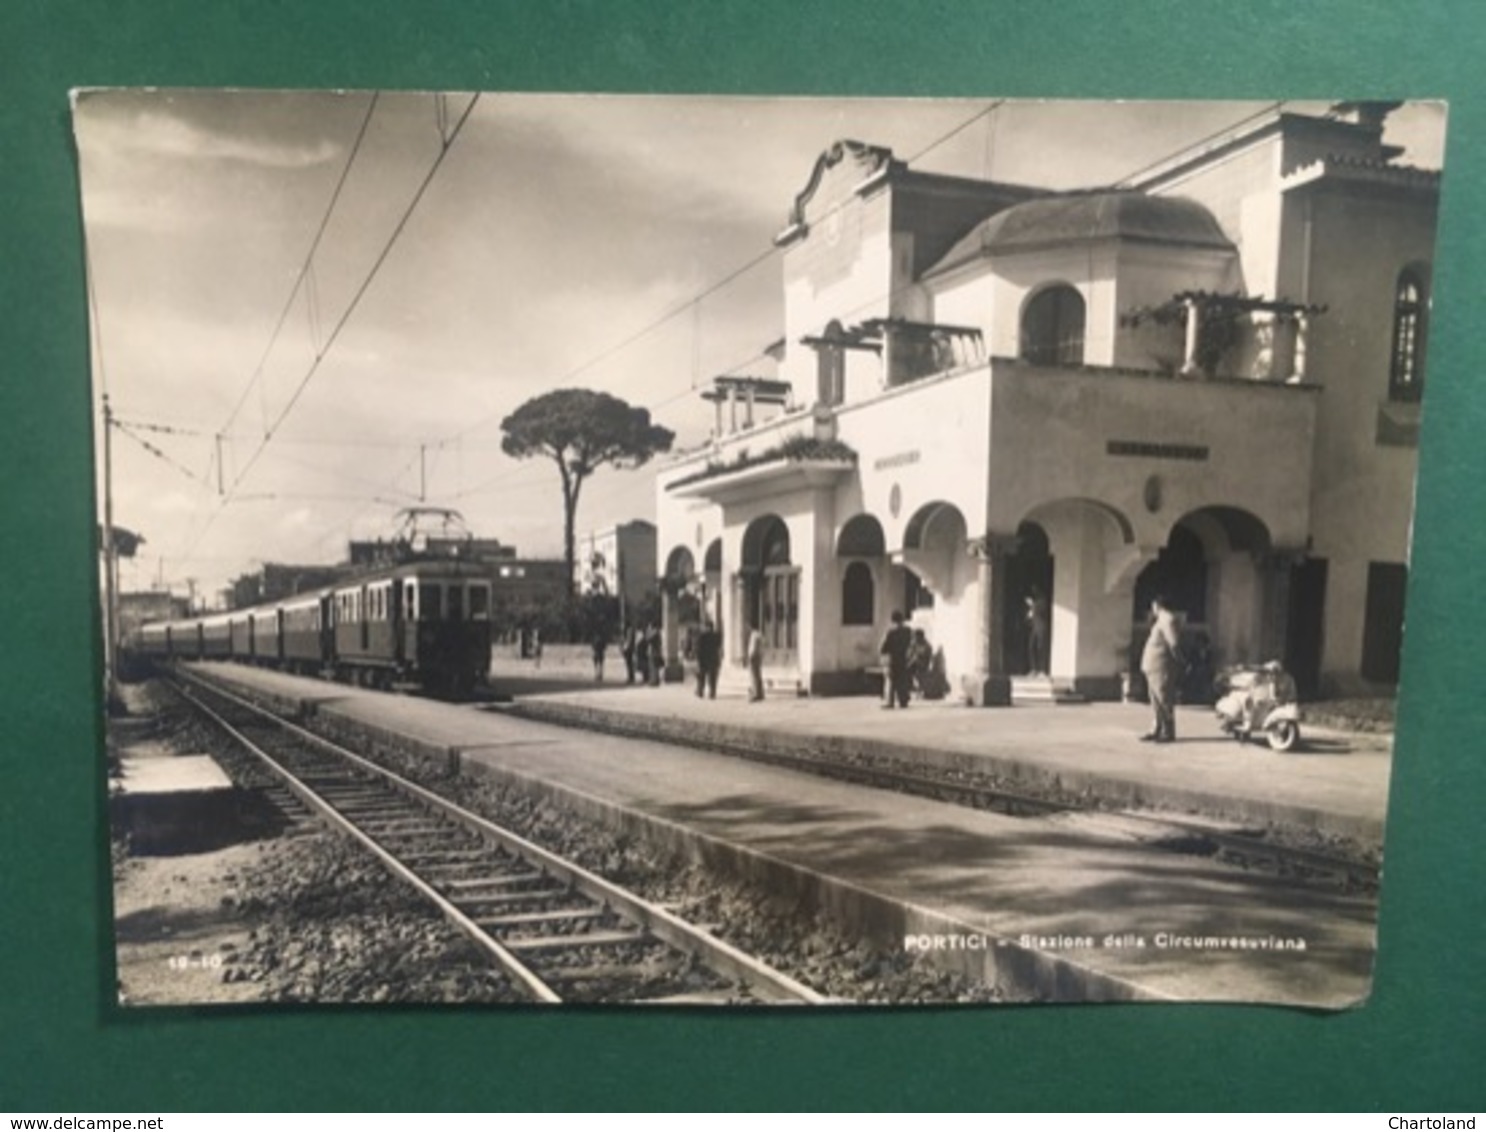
830 365
1410 311
712 560
1029 578
861 537
766 543
1116 517
680 566
769 590
1178 574
1223 529
1052 326
858 595
1213 571
928 523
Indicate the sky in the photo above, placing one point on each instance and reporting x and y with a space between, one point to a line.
310 310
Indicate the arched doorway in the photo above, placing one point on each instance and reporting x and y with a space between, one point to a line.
681 611
1230 594
941 580
1029 578
712 580
770 585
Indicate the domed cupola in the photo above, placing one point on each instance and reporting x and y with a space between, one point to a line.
1083 218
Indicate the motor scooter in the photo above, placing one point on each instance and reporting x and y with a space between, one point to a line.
1259 700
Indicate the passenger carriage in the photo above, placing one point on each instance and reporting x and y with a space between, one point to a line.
424 623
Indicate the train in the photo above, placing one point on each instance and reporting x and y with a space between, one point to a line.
422 623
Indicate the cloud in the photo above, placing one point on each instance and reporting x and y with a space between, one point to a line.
172 130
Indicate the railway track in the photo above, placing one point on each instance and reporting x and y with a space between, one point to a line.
1194 836
557 931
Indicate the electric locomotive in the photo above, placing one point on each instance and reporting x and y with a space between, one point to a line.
424 623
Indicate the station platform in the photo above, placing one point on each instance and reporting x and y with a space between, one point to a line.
1063 907
1334 785
166 803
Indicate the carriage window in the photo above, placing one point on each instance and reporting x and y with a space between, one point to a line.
430 604
410 602
456 602
480 603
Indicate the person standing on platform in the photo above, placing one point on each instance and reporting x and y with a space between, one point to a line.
1161 664
600 643
627 650
920 662
895 646
709 660
1036 633
755 656
656 654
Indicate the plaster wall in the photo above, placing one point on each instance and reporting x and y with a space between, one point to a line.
1089 269
1257 438
1225 184
1362 490
929 440
800 510
841 269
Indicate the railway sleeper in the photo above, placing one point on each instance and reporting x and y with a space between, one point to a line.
470 889
526 897
614 938
403 826
555 915
517 896
444 856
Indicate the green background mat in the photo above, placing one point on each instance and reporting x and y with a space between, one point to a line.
1417 1045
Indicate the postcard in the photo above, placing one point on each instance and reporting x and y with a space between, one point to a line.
745 551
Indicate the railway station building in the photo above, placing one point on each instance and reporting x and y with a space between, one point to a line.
1205 382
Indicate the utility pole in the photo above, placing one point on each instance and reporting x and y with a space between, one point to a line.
110 596
422 473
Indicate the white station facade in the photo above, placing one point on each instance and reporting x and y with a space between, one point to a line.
1203 383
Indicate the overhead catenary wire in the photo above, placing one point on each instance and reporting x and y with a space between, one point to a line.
309 259
154 451
340 324
360 292
689 304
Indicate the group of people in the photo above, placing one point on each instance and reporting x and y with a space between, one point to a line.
643 652
913 665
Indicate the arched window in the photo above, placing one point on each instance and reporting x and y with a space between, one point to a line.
858 595
1053 327
1406 372
830 365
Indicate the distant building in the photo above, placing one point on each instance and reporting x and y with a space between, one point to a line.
619 561
374 553
1205 383
527 588
275 581
144 607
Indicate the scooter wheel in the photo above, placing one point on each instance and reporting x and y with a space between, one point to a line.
1283 736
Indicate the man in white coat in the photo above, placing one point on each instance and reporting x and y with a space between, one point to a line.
1162 665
